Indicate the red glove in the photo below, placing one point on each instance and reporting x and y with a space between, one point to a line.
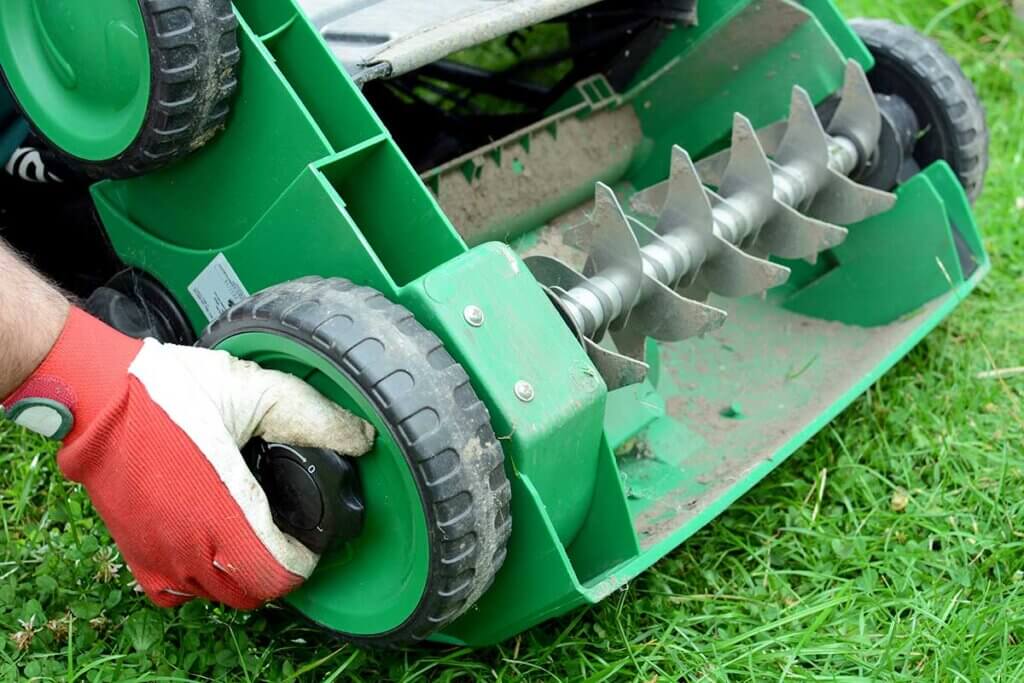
154 437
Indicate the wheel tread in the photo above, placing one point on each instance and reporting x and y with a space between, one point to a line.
195 53
931 64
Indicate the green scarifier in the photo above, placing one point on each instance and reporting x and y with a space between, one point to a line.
306 180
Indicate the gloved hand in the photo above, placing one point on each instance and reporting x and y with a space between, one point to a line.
155 439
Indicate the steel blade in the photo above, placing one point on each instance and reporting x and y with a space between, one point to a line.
614 266
732 272
711 169
749 169
553 272
686 224
663 314
790 234
612 243
617 370
668 257
771 136
686 205
648 202
630 343
805 144
857 116
695 291
844 201
669 317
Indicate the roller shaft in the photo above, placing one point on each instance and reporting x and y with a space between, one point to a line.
601 300
784 191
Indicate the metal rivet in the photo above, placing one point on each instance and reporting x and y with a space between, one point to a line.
524 391
474 315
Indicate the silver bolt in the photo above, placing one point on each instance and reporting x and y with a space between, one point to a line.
524 391
474 315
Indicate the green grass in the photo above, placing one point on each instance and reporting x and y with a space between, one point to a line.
819 573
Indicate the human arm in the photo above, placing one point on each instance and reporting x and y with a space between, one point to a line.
32 314
153 431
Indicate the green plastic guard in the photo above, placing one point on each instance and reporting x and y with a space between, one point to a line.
373 583
80 70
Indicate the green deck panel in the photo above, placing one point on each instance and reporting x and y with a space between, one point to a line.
891 264
632 408
791 374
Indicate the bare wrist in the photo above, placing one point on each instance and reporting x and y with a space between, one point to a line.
32 315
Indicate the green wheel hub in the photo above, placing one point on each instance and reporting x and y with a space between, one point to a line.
80 71
372 584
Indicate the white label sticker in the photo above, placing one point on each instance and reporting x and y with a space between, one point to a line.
217 288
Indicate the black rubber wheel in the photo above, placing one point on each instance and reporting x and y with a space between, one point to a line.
135 304
466 498
952 117
194 56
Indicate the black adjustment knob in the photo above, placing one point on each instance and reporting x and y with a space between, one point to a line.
314 493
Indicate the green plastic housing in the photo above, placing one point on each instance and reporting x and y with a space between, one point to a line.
306 180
